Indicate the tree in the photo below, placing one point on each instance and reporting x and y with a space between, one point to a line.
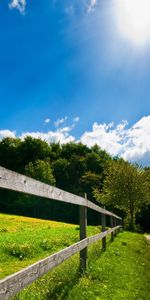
55 151
144 215
9 153
90 181
74 149
60 170
31 150
123 188
40 170
146 184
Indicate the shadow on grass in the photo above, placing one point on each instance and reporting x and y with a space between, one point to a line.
63 287
64 282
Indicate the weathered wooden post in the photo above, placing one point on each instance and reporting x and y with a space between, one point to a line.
111 225
115 232
103 229
119 223
83 225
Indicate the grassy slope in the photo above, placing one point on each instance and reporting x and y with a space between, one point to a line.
122 272
26 240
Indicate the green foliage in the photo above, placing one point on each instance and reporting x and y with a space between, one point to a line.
40 170
74 149
9 153
55 151
123 188
61 166
31 150
89 181
146 184
77 169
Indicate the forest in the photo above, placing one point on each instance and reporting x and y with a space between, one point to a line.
116 184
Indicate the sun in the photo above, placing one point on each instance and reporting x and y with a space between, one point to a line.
133 20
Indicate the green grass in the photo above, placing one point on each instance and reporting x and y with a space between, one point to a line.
120 273
23 240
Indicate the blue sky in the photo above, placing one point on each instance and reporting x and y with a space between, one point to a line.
68 69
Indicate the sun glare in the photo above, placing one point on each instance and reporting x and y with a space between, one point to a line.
133 20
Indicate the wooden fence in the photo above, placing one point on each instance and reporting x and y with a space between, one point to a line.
10 180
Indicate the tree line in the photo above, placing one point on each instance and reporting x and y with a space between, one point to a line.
115 183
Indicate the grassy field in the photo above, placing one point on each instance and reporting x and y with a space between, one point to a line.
122 272
25 240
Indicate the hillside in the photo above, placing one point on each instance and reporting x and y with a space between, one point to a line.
122 272
25 240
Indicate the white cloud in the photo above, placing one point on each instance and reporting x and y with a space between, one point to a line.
104 136
76 119
89 5
59 122
66 129
132 143
92 5
47 120
7 133
137 146
60 135
18 4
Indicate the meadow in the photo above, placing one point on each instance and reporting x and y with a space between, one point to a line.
122 272
25 240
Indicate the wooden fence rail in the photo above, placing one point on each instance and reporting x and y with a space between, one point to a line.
16 182
12 284
10 180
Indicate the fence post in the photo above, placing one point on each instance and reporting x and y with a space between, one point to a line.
119 227
83 224
111 225
115 232
121 223
103 229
